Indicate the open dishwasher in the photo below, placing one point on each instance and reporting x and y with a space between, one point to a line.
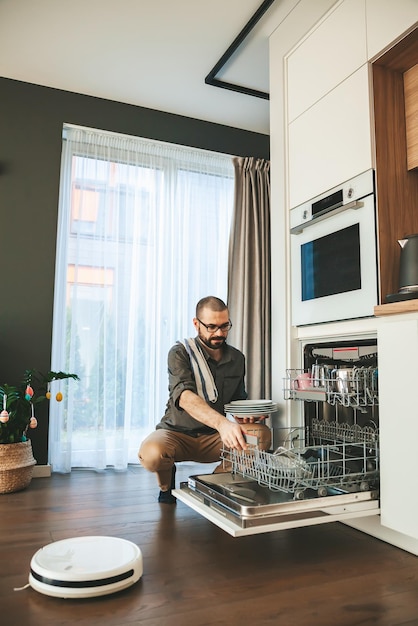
323 471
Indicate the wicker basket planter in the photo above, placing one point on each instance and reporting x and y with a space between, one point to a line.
16 466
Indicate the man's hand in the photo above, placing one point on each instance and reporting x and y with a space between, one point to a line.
230 432
232 436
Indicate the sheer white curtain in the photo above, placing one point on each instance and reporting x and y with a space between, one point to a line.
143 234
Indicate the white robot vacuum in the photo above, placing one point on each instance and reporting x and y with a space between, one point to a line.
85 567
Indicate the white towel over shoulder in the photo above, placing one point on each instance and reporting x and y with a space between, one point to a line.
205 384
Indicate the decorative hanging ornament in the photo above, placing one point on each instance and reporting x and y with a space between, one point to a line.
33 422
48 391
28 393
58 397
4 416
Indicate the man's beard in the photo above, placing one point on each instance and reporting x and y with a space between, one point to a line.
214 343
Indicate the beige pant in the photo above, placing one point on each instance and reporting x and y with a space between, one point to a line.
162 448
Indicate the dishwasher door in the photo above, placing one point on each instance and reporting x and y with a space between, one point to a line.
240 506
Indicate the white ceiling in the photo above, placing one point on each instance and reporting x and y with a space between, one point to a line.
150 53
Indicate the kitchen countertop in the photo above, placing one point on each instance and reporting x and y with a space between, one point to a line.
406 306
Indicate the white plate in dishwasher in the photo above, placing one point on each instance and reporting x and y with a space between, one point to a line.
84 567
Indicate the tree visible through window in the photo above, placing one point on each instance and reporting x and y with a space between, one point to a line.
143 234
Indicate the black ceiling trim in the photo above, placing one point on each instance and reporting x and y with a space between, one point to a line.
211 77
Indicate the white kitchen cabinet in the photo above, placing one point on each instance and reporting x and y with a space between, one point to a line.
331 142
334 49
397 337
387 21
302 175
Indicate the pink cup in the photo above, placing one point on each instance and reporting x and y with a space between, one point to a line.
303 381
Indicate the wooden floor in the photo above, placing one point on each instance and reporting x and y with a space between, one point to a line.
194 573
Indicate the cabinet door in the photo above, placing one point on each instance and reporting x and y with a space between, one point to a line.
398 350
333 51
387 21
331 142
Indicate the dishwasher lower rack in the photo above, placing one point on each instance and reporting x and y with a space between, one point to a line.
341 465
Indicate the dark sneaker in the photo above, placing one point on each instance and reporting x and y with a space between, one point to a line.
166 497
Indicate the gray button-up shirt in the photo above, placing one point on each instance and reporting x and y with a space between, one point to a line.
228 374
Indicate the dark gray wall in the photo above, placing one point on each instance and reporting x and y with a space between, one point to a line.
31 120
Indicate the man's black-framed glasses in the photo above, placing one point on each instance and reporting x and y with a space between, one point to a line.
212 328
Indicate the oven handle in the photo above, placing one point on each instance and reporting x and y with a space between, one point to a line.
297 230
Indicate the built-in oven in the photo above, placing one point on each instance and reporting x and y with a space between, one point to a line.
334 266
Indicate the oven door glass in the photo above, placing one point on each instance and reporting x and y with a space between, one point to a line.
322 273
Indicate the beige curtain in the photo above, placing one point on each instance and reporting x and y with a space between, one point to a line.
249 291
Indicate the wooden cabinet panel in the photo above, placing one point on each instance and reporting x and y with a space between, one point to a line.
397 188
333 50
331 142
410 80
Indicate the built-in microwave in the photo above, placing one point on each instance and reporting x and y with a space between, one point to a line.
334 265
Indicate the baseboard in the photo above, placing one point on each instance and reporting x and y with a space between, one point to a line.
372 526
41 471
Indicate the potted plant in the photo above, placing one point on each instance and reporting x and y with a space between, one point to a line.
17 416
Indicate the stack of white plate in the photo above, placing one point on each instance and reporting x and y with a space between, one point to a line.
242 408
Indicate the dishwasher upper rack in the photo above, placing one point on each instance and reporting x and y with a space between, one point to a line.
358 387
344 465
